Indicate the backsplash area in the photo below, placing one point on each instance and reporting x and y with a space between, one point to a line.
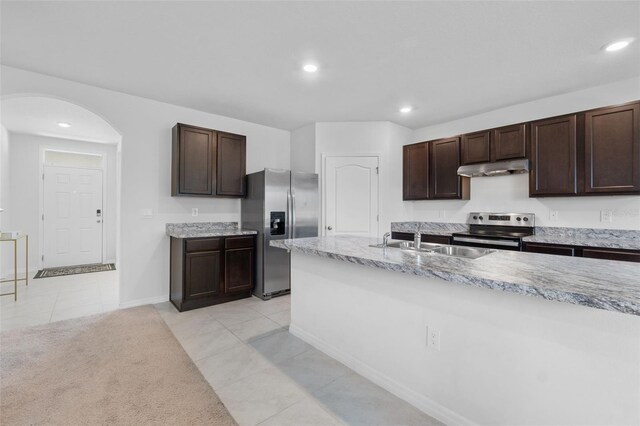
511 194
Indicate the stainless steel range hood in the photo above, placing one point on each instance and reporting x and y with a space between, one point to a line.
498 168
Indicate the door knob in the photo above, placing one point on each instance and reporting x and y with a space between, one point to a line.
329 228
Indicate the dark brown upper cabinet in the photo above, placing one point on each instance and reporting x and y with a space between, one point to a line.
415 171
476 147
196 152
612 150
554 157
231 164
430 171
509 142
207 163
445 160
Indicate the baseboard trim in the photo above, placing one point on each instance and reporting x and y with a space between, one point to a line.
146 301
421 402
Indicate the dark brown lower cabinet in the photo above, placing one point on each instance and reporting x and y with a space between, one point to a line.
208 271
612 254
550 249
580 251
238 270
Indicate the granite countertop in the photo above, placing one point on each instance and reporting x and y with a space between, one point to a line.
206 229
587 237
431 228
626 239
602 284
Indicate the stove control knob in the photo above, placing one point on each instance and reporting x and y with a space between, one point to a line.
518 218
526 219
475 218
480 218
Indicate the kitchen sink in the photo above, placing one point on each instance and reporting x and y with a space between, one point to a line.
459 251
409 245
432 248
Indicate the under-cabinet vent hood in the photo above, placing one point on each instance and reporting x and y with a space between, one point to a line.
498 168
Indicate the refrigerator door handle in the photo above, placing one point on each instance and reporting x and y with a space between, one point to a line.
289 223
293 213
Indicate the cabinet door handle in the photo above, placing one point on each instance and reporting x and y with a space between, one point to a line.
329 227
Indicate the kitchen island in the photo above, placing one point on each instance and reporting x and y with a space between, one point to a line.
496 356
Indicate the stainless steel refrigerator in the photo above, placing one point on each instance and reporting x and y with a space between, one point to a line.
280 204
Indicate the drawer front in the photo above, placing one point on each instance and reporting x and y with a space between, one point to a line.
550 249
239 242
203 244
627 256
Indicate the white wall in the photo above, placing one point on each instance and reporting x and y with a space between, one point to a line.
303 149
145 126
5 248
25 183
510 193
504 358
384 138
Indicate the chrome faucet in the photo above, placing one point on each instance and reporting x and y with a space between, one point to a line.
417 237
385 239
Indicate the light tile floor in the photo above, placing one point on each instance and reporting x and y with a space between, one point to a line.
53 299
265 375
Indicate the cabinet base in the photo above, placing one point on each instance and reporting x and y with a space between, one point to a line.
187 305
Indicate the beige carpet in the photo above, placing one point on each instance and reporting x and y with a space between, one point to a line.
122 367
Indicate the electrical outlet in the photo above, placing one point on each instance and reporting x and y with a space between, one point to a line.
433 338
146 213
194 212
443 214
553 215
606 216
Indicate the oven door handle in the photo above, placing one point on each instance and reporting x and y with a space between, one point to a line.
481 241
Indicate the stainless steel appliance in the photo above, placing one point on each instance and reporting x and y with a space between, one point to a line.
280 204
496 230
498 168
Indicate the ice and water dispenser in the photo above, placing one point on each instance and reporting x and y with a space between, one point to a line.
277 223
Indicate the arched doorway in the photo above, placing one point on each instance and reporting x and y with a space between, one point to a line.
47 146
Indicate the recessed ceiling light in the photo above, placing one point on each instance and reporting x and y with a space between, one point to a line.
310 68
63 124
617 45
406 109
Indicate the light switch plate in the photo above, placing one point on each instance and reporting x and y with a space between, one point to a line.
553 215
146 213
194 212
606 216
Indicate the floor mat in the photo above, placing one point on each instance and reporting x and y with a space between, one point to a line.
73 270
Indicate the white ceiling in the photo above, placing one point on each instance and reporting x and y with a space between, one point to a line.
243 59
40 116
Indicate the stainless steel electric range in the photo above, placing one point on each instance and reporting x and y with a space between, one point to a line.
503 231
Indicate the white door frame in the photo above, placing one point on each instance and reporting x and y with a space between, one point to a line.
323 189
43 150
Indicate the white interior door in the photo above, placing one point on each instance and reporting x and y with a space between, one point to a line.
72 220
351 195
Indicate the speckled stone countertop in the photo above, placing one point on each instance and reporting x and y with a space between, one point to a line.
205 229
587 237
602 284
432 228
